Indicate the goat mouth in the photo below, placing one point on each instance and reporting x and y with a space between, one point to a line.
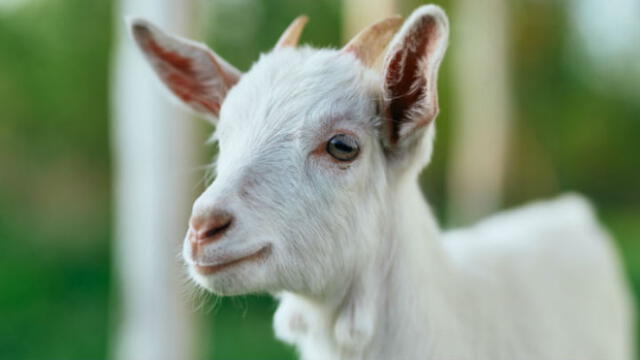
211 269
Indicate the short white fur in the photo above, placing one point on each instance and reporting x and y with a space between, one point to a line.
355 257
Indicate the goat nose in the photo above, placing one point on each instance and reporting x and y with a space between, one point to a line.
211 227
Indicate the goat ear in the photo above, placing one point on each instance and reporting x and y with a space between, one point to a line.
195 74
410 97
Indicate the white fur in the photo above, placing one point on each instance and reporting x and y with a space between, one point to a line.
354 254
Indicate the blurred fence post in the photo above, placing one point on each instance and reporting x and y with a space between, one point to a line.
358 14
479 50
154 159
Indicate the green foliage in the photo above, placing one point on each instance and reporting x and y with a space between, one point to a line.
242 330
54 182
257 25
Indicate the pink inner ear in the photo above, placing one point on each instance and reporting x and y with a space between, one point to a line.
179 74
406 77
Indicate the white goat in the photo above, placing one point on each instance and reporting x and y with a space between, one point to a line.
316 201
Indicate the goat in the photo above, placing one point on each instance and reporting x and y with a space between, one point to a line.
316 201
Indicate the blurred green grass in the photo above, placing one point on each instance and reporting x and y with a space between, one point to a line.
242 330
624 225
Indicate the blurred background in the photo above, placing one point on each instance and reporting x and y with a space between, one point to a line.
538 97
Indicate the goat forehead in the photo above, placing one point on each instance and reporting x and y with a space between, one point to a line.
292 91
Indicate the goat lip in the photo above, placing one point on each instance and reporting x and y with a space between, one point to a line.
205 269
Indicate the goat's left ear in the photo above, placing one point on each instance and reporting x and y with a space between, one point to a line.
410 94
193 73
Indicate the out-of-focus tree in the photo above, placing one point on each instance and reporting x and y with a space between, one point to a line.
155 158
483 115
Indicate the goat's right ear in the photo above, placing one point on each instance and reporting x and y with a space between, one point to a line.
194 73
410 90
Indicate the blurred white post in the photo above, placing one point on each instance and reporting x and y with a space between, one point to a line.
358 14
154 158
479 54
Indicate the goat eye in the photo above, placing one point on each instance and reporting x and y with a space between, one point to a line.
343 147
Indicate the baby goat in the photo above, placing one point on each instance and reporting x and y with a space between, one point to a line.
316 201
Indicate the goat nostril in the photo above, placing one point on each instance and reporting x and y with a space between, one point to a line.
218 231
214 228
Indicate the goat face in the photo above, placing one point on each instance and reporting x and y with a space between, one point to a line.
310 144
300 169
